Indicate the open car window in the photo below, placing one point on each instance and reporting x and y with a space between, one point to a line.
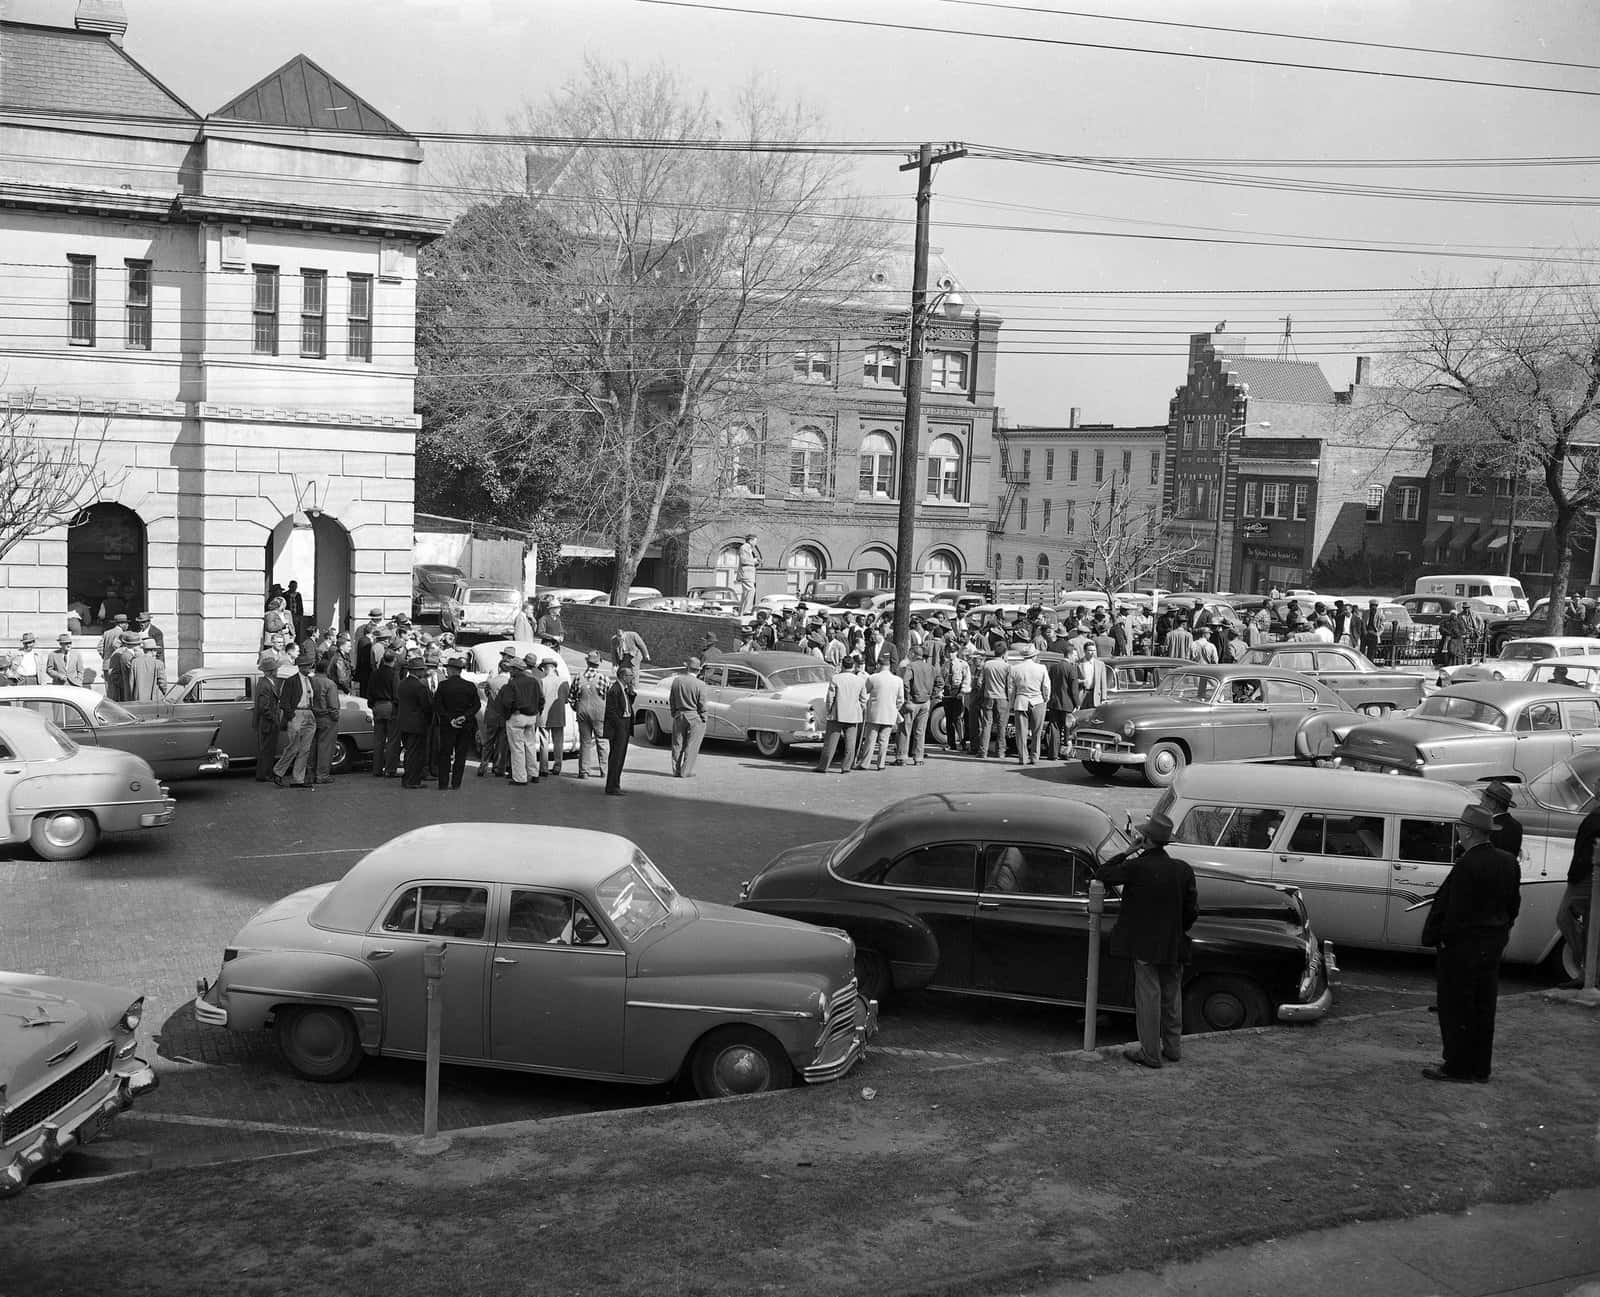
438 910
1249 828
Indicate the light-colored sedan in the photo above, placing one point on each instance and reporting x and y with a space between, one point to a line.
175 747
565 951
480 608
68 1066
484 659
59 797
1516 658
773 700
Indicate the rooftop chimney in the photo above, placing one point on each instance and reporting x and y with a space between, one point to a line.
1072 417
1363 369
104 16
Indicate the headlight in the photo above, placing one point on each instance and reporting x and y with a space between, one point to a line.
820 1008
1128 729
134 1015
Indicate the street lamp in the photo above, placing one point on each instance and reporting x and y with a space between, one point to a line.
1222 497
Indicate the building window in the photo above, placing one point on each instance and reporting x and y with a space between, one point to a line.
877 466
1251 499
1374 504
1202 435
1042 567
1072 466
1027 464
1302 499
1072 516
358 345
80 302
1044 520
1127 462
947 371
999 566
137 306
1155 468
1099 466
880 367
940 571
1502 486
1408 505
944 470
1188 432
264 312
1049 465
1274 500
1019 567
105 566
1022 515
1475 486
808 461
813 365
314 313
804 565
728 564
739 461
1447 483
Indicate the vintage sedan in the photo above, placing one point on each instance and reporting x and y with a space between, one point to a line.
431 584
175 748
484 659
988 894
565 952
1208 713
480 608
1366 852
59 797
1516 658
1503 730
1351 674
68 1065
229 697
774 700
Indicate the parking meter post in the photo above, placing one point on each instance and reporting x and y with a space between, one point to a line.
433 977
1091 995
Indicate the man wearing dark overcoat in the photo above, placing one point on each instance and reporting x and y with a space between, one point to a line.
619 727
414 717
265 713
455 704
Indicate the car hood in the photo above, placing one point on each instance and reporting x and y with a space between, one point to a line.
63 1014
718 939
1136 707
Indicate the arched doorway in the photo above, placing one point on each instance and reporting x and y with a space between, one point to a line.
875 569
317 555
803 565
105 566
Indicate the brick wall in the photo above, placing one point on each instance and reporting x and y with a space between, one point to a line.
670 636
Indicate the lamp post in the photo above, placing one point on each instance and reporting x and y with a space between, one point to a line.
917 344
1222 498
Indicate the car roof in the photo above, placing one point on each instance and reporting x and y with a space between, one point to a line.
987 815
1227 670
766 663
1296 646
483 853
1591 663
1290 786
1557 641
88 698
1504 693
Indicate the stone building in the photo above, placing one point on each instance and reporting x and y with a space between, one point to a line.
230 299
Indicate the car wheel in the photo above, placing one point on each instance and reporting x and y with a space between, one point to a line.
344 756
936 725
769 744
873 979
1220 1003
64 835
1380 710
1165 762
1498 676
739 1060
319 1043
653 733
1101 769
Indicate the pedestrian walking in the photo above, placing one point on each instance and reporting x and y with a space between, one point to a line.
297 726
414 717
589 705
844 707
920 686
749 565
686 699
325 705
1468 924
1027 695
1160 903
628 649
264 713
455 707
618 727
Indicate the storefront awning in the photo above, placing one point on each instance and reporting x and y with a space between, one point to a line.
1500 541
1467 539
1533 539
1438 534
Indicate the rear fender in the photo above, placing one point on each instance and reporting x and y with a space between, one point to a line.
904 940
256 983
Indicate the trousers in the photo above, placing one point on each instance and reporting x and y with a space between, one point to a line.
1157 999
453 744
266 748
840 735
1468 971
415 743
1030 733
592 747
521 738
914 731
687 732
294 752
617 735
992 724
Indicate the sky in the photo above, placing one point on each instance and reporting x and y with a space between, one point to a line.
1099 276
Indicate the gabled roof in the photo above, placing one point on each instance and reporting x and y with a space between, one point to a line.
1300 382
63 70
302 94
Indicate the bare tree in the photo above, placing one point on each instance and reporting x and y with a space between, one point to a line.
642 329
1128 540
1507 383
46 481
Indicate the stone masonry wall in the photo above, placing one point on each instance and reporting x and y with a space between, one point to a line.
670 636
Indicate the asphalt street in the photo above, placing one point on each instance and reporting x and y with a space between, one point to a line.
152 912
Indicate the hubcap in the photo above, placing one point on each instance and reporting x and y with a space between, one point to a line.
742 1069
1164 762
64 830
1224 1012
317 1036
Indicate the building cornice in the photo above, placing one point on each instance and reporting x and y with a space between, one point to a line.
95 202
204 207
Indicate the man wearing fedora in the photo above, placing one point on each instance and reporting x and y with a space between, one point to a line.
588 696
64 665
264 713
492 756
456 704
1507 833
1160 903
1470 920
414 717
1028 693
618 727
749 565
25 663
522 701
383 696
298 724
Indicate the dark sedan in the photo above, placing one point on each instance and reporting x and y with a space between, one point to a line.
988 894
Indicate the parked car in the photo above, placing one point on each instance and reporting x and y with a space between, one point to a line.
431 584
1504 592
480 608
715 598
482 660
229 697
667 603
1365 687
68 1065
1483 730
175 749
826 591
1536 624
59 797
566 951
774 700
918 887
573 594
1579 672
960 601
1516 658
1432 609
1366 852
1206 713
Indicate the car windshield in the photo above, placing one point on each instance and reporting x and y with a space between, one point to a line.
107 713
492 594
1526 651
787 677
1188 686
636 897
1467 711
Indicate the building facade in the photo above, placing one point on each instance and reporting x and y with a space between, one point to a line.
815 474
228 301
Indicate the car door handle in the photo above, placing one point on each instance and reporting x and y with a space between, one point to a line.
501 959
382 952
13 770
988 905
1287 859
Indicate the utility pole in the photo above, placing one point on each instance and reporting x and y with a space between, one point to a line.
910 433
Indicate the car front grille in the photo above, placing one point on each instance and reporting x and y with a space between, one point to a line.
840 1018
54 1097
1105 737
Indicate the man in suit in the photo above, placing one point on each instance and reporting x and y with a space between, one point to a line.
64 666
264 711
111 641
1160 903
1061 672
845 710
325 705
1507 834
993 692
919 679
619 727
455 705
297 723
1088 680
1470 920
365 641
1028 694
295 602
886 693
414 717
383 696
1179 643
686 698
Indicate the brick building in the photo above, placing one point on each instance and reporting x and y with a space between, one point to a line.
231 298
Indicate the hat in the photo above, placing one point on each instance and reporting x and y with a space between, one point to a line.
268 662
416 664
1026 650
592 657
531 659
1157 828
144 616
132 637
547 664
306 659
27 637
401 619
550 641
121 616
1498 793
1478 819
64 638
374 612
509 654
148 641
455 663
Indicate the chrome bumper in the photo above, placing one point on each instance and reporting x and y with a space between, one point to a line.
1317 1008
1113 754
216 762
54 1139
155 819
845 1052
205 1012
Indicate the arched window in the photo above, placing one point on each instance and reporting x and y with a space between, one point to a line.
1019 567
875 569
999 567
728 564
804 564
877 465
941 572
1044 567
739 461
880 367
944 469
808 461
105 566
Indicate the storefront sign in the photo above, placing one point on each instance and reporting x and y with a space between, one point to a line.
1272 553
1255 529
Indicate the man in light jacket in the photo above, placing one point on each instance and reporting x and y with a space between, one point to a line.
1028 692
845 710
886 695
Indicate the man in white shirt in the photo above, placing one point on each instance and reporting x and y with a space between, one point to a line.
1204 651
1028 689
846 694
886 693
25 665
